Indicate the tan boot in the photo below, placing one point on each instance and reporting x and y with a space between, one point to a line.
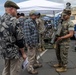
40 49
33 72
62 69
57 65
43 48
38 65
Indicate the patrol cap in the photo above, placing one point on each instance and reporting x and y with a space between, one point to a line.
11 4
66 12
32 12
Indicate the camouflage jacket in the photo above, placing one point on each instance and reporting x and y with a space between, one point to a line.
66 27
21 20
10 35
40 25
31 32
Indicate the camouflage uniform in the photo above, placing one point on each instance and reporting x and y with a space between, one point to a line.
11 39
63 46
41 29
31 40
21 20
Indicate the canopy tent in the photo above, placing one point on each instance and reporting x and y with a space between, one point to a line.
42 6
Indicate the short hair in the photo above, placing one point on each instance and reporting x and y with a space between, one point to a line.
22 14
68 12
18 14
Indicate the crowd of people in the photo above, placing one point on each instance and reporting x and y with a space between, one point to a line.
18 32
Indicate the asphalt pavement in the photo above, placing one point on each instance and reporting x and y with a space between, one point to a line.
48 59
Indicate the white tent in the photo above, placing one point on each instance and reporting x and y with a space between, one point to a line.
42 6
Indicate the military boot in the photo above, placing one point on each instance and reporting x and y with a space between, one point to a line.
57 65
61 69
33 72
40 49
37 65
43 48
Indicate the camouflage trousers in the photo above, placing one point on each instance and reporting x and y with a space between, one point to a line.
32 57
62 53
41 41
12 67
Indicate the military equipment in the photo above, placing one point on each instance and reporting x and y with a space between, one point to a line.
68 6
67 10
57 32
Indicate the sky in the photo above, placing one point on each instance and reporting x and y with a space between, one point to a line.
2 5
17 1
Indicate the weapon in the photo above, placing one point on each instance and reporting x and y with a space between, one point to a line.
57 32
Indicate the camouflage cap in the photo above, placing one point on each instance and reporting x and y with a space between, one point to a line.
66 12
32 12
11 4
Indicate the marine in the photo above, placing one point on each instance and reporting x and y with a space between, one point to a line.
62 42
41 30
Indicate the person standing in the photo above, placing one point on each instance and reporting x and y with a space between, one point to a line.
18 15
62 43
22 19
11 40
41 29
31 40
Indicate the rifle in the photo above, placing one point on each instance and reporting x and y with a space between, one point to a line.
56 33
